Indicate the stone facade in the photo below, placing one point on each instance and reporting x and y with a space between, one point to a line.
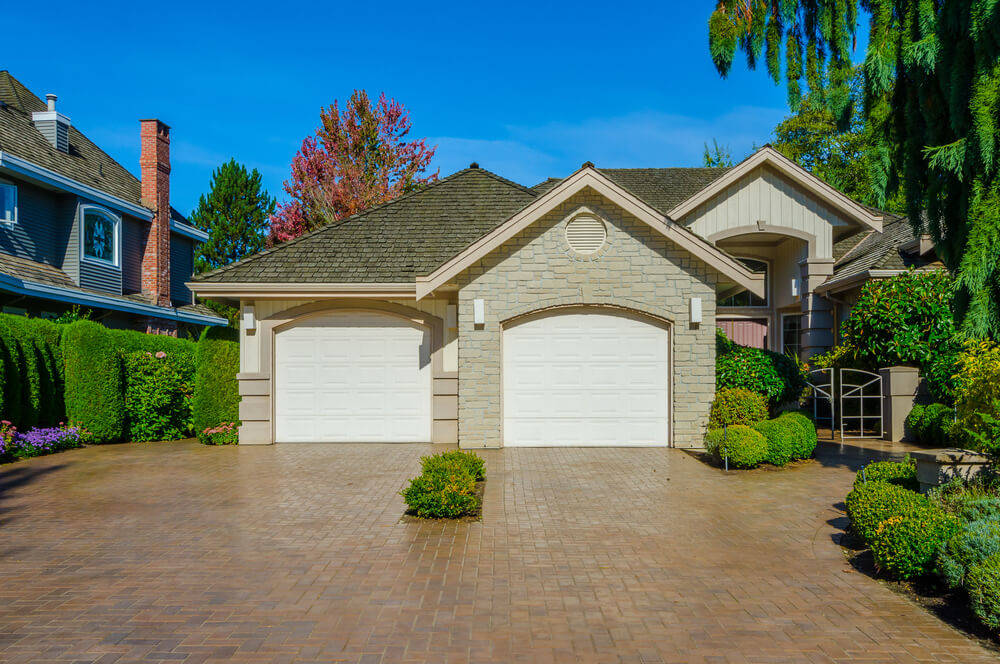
637 269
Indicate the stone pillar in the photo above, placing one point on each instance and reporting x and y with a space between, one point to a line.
900 386
817 312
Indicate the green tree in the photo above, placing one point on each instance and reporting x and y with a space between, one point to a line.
931 95
717 156
235 213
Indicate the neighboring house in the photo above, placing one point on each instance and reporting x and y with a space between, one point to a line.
76 228
581 311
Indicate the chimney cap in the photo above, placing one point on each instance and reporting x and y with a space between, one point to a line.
50 101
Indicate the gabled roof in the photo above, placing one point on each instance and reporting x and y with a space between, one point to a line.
395 242
85 162
767 155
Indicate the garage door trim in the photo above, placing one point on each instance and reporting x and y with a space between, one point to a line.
598 308
297 315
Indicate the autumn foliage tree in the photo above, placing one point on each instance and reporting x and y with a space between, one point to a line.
359 157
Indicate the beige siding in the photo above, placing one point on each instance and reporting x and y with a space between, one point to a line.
763 195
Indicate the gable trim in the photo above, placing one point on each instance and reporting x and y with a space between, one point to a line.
800 176
293 290
588 176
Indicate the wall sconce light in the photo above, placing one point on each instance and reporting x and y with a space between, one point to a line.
695 310
795 286
249 319
479 311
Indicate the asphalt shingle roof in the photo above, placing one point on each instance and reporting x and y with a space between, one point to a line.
395 242
85 162
878 251
664 188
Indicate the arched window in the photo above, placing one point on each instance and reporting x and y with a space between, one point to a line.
746 298
99 235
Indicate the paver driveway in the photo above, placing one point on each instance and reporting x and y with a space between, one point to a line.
177 552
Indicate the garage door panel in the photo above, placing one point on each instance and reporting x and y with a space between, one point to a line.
353 377
585 378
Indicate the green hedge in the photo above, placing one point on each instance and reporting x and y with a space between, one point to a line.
872 503
216 392
983 585
30 372
903 473
158 394
95 395
744 446
931 424
905 544
782 440
807 433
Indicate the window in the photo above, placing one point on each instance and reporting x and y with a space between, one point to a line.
746 298
100 236
791 334
8 203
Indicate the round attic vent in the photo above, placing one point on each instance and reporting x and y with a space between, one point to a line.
586 234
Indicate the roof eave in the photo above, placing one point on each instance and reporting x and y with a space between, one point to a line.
834 285
292 290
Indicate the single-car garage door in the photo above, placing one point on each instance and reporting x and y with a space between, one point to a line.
352 376
586 377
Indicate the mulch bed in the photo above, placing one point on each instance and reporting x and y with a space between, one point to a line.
410 517
709 460
950 606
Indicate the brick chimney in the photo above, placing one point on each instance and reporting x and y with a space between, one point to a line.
154 166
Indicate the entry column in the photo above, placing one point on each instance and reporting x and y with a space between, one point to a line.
817 312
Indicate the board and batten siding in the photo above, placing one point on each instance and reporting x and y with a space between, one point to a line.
763 195
250 360
181 267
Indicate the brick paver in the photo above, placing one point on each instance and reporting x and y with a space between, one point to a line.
297 553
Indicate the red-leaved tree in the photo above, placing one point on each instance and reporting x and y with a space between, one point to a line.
359 157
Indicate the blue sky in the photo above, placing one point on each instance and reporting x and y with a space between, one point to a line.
527 90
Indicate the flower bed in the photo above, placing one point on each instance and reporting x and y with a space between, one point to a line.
226 433
38 441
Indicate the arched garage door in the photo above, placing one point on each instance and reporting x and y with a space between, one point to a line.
352 376
586 377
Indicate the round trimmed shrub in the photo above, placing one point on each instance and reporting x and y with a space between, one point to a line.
807 429
94 395
782 440
904 545
445 493
974 543
903 473
983 585
465 461
744 446
734 405
871 503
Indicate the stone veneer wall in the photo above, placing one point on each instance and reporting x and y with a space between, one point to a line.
637 268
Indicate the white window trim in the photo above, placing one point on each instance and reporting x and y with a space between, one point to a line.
117 236
8 223
767 287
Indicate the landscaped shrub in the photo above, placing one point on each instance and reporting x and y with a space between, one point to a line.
982 582
774 375
976 400
224 434
972 544
807 433
931 424
871 503
158 395
10 357
467 461
216 391
448 491
734 405
782 440
8 434
905 544
744 446
94 395
903 473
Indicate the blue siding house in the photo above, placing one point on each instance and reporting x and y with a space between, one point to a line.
77 228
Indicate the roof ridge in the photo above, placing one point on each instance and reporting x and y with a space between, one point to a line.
340 222
502 179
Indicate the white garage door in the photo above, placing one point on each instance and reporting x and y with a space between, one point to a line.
585 378
353 377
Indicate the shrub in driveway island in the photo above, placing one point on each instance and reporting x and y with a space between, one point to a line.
158 394
735 405
448 491
807 433
744 446
471 463
782 440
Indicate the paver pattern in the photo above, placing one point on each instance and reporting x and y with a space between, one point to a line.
176 552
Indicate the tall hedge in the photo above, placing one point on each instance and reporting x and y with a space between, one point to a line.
216 392
30 372
94 389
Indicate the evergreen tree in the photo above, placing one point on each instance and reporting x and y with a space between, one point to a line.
931 97
235 213
717 156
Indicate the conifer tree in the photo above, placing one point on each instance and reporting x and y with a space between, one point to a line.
235 213
931 98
